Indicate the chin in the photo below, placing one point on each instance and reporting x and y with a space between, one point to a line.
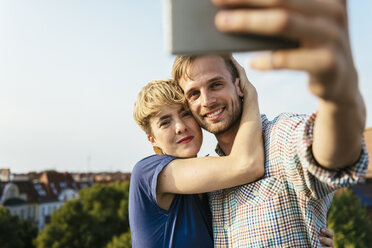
218 128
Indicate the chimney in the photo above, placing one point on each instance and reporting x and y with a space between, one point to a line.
4 175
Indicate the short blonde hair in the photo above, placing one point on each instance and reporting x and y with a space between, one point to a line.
182 64
155 95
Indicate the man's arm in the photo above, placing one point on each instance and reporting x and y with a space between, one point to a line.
338 132
325 53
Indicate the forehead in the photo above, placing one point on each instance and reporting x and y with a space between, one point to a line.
168 110
203 69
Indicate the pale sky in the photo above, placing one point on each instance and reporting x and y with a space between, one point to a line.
70 72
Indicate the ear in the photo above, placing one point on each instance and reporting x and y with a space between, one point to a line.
238 87
156 148
151 140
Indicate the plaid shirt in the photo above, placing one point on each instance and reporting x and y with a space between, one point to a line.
288 206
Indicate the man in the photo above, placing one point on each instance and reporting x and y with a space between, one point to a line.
306 157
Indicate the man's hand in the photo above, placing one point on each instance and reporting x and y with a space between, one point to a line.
326 238
321 27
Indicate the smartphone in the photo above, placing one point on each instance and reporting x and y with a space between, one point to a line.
190 30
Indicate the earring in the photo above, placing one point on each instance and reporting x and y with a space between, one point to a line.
158 150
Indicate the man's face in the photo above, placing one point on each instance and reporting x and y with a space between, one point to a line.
213 98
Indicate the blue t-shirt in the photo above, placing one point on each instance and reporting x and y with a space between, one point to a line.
187 223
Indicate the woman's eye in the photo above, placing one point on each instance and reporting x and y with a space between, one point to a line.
186 113
164 123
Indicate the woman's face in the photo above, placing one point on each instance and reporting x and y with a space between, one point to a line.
176 132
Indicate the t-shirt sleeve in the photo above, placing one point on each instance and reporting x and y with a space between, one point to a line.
145 175
303 170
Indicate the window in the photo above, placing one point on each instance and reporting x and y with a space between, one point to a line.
12 192
74 186
33 212
63 185
54 188
40 190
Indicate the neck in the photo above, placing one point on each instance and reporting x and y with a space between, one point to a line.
226 139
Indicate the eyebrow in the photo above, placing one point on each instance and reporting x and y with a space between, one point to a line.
163 117
211 80
216 78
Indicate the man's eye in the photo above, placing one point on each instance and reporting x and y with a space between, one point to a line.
215 85
193 94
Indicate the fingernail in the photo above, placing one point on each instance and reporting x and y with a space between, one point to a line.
256 63
261 62
223 19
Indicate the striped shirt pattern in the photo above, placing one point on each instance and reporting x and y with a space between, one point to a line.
288 206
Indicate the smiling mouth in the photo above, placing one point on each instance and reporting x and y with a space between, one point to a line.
215 114
185 140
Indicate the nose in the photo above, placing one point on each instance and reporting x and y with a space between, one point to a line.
180 126
207 99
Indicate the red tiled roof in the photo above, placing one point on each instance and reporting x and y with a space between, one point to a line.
27 187
54 180
35 192
56 177
48 196
48 187
34 175
108 177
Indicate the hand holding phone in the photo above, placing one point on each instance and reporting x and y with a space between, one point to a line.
191 30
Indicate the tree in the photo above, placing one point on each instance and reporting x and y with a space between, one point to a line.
109 206
15 232
100 213
123 241
349 220
70 227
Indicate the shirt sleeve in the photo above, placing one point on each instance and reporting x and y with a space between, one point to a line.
145 175
303 170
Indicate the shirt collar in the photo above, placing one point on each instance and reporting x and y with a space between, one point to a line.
219 151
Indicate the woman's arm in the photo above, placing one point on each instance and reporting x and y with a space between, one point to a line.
244 164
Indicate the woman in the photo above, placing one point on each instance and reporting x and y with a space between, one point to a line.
166 204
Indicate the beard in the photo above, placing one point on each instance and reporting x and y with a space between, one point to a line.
231 119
